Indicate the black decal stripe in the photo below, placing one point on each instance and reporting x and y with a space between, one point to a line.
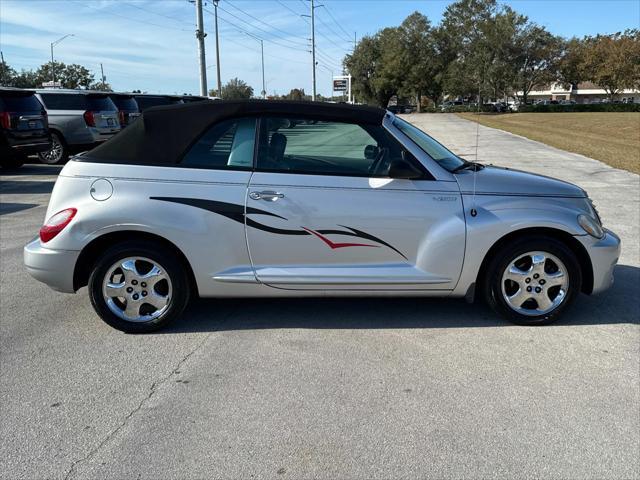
236 213
229 210
279 231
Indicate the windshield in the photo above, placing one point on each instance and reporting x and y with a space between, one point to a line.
440 154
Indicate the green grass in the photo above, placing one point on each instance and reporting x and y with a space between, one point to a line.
611 137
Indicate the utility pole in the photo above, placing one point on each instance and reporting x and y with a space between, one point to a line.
200 36
313 50
215 8
102 76
313 45
264 90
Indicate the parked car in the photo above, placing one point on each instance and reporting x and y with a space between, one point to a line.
24 127
78 120
193 98
402 108
128 110
146 100
450 104
358 203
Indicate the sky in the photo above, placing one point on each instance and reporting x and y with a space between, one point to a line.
150 44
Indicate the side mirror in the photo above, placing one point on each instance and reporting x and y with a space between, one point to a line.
371 152
404 169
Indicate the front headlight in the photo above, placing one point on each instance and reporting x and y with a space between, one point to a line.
591 226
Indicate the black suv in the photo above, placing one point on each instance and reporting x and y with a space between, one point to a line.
128 109
24 129
148 100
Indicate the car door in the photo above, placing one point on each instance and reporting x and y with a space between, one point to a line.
322 212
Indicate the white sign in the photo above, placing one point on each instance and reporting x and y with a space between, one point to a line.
51 85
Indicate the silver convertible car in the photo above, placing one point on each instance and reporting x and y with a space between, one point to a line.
281 199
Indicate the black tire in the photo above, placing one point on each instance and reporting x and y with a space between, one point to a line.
50 157
159 254
491 285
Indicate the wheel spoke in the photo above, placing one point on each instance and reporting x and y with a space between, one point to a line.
537 263
544 302
516 274
130 271
553 279
153 276
132 309
518 298
157 301
115 289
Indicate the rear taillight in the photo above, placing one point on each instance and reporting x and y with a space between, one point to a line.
89 118
5 119
56 224
121 117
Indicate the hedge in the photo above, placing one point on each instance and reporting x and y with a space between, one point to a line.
579 107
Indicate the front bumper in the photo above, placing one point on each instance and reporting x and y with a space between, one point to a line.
53 267
604 254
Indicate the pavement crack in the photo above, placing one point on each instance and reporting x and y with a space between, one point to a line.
154 386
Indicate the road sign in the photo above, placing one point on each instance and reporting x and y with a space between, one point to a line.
51 85
340 85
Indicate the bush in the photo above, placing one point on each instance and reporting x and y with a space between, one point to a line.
588 107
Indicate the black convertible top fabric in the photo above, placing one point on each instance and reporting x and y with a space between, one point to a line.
162 135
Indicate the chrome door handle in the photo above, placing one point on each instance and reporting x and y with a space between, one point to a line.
269 196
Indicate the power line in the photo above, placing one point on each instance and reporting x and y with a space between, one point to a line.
257 19
279 37
332 31
348 35
102 10
293 11
159 14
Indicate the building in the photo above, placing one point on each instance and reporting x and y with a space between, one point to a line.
585 92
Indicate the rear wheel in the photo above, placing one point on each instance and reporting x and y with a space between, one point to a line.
58 153
139 288
532 281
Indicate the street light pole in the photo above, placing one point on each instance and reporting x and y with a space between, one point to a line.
53 44
313 50
215 8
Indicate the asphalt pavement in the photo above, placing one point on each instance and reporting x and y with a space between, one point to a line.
325 388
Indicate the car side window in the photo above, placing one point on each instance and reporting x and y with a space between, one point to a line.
226 145
62 101
308 146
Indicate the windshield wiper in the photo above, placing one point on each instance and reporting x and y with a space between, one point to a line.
468 165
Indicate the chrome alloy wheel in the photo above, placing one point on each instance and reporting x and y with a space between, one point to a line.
53 155
137 289
535 283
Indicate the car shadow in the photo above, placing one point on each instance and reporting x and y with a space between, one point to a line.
617 305
6 207
22 187
33 169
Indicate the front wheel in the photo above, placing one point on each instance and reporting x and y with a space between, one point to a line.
533 281
139 288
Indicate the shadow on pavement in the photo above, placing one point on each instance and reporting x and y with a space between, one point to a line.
617 305
25 186
33 169
6 207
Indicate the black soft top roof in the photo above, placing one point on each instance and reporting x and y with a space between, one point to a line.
163 134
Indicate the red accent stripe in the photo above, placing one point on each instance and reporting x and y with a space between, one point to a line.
334 245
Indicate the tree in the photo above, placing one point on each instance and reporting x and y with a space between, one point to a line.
361 64
25 79
613 61
538 58
235 89
419 57
571 69
296 94
7 74
100 86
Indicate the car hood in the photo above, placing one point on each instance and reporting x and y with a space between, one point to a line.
505 181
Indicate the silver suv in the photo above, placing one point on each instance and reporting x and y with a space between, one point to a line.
78 120
273 199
